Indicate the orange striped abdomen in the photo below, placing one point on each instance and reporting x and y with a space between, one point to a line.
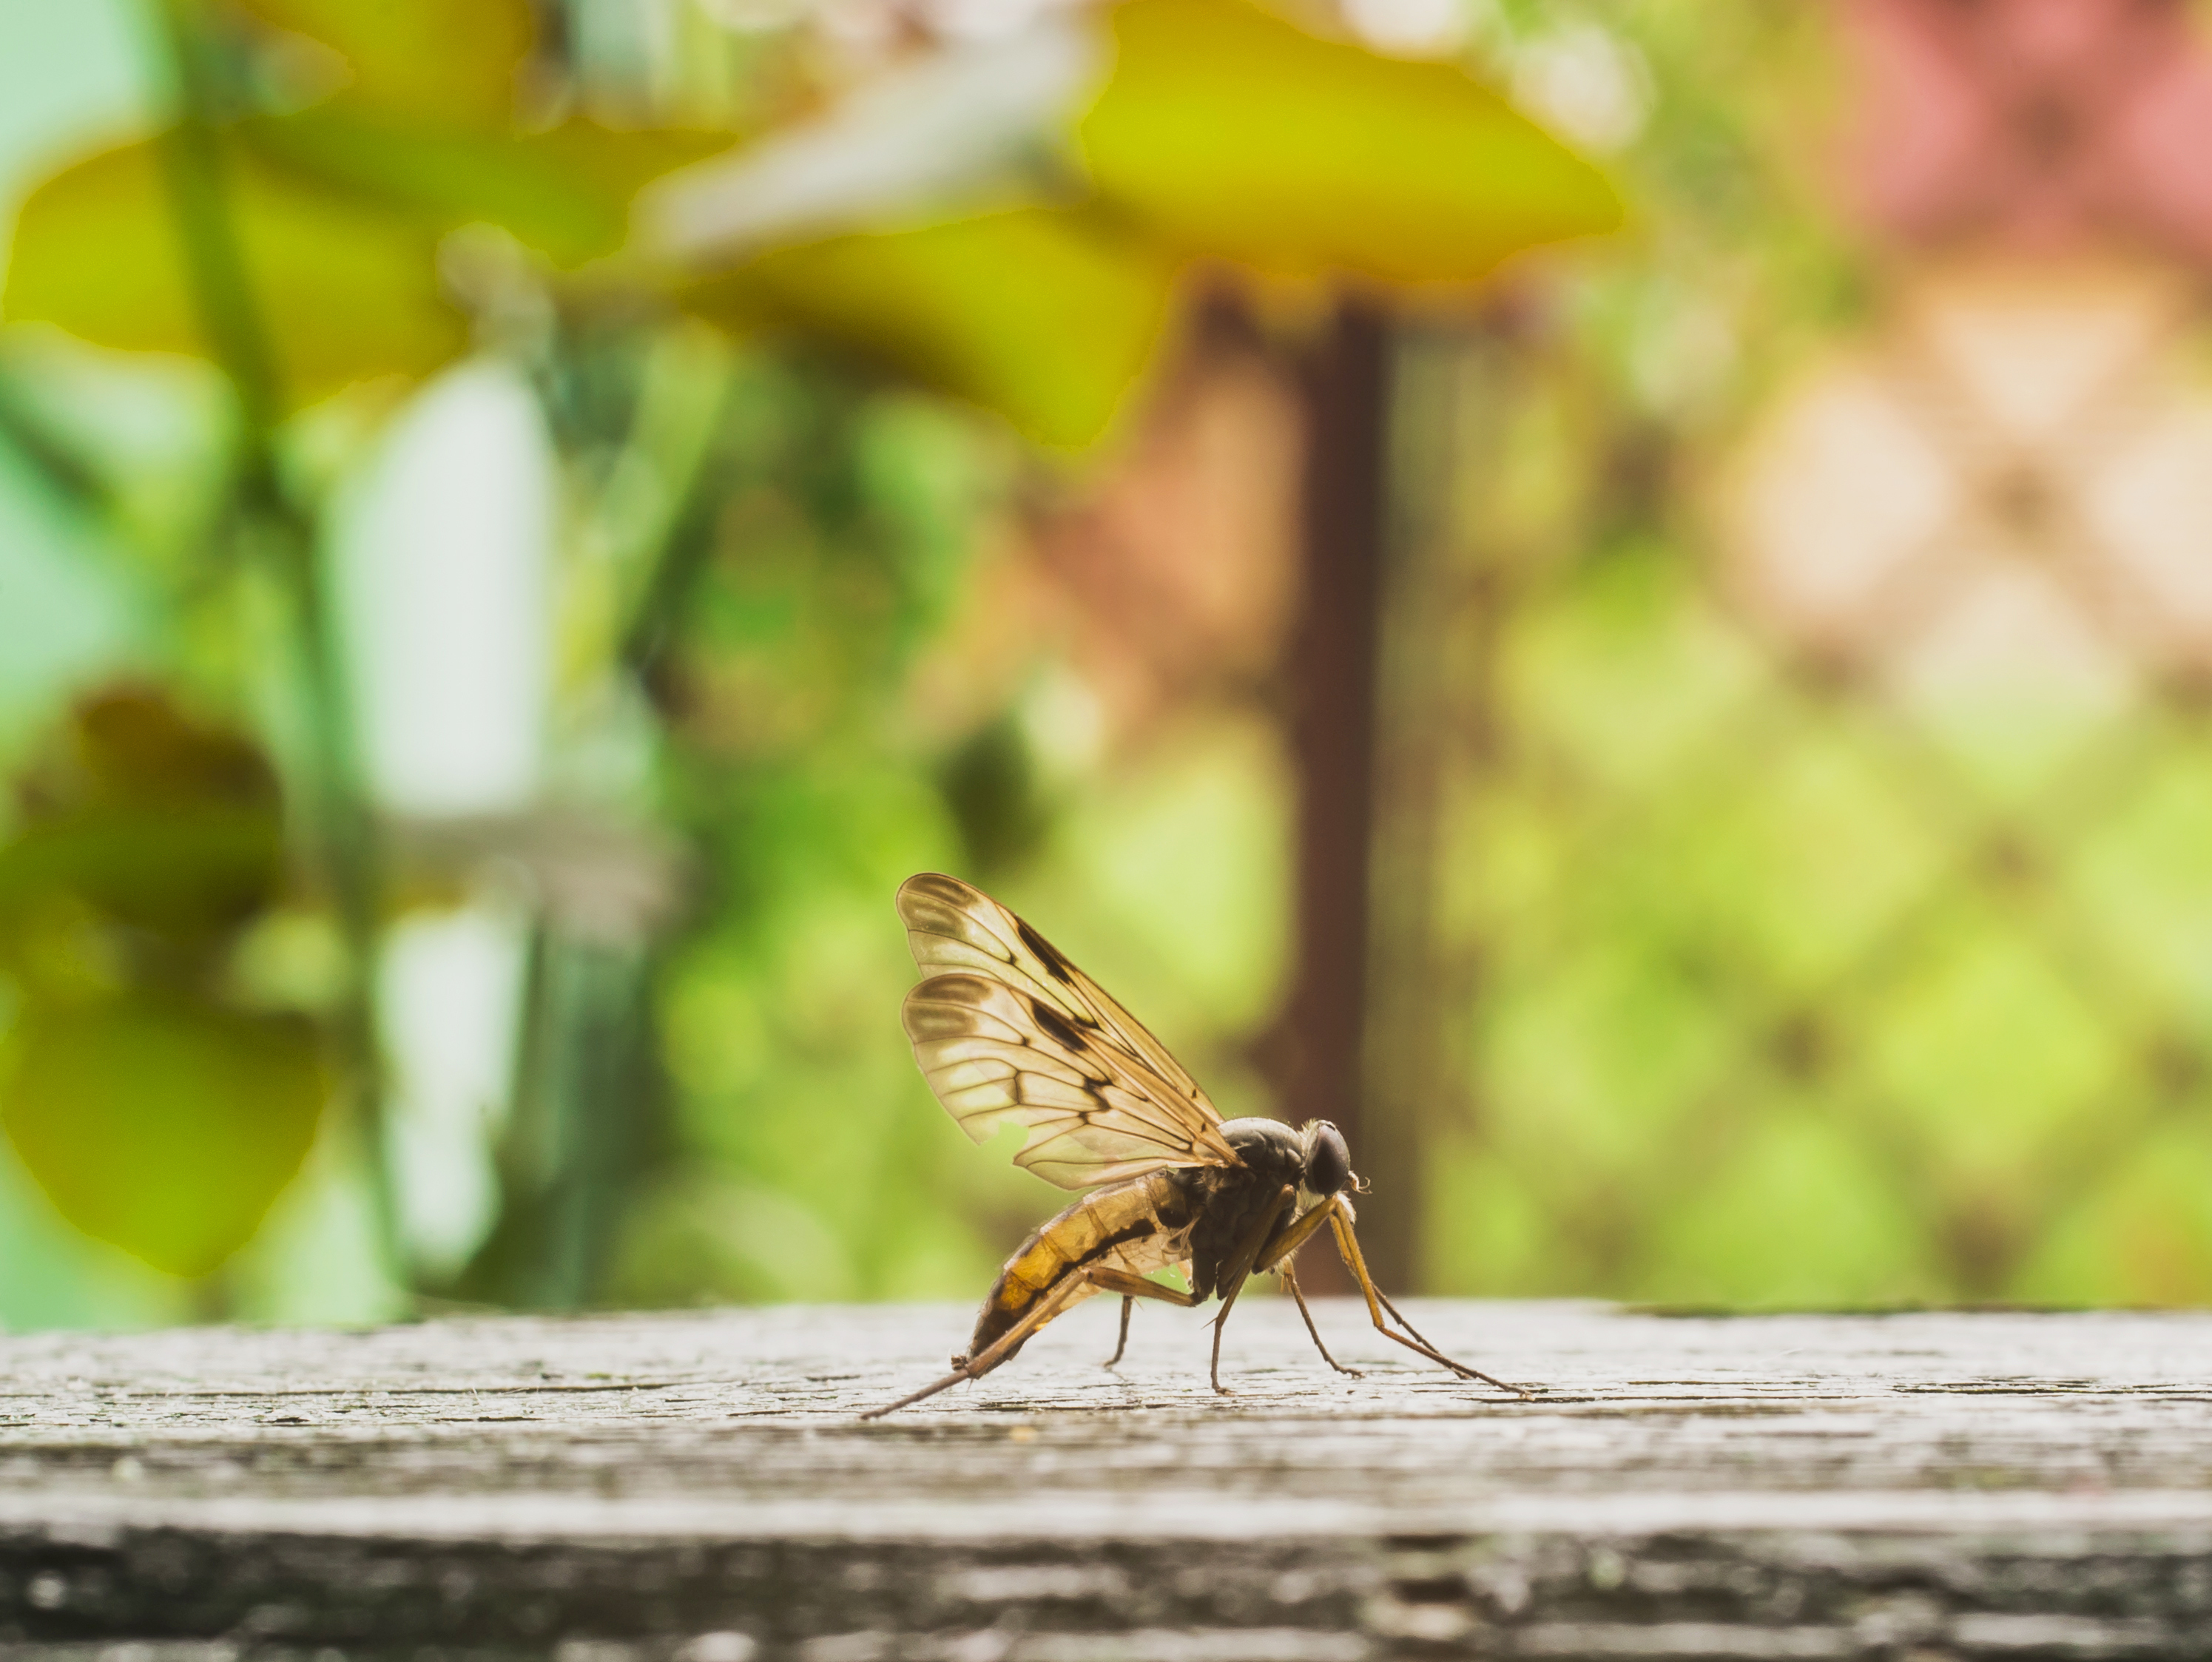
1140 1225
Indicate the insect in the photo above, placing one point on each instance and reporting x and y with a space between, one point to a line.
1008 1032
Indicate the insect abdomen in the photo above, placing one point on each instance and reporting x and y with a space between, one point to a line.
1140 1225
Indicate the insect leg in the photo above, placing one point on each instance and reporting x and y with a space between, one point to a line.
1348 1246
1291 1281
1132 1287
1276 1257
994 1353
1095 1275
1398 1316
1128 1303
1294 1235
1136 1287
1239 1269
1351 1219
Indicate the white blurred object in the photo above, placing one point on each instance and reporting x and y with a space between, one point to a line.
450 987
986 19
946 124
442 557
1064 722
1587 82
1411 27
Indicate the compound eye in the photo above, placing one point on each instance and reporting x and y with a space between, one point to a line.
1329 1162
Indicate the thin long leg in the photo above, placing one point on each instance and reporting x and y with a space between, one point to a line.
1399 1316
1128 1303
1321 1215
1277 1255
1238 1269
1112 1281
1136 1287
1348 1246
1294 1235
992 1354
1228 1300
1290 1280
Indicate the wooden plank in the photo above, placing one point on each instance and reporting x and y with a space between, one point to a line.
626 1489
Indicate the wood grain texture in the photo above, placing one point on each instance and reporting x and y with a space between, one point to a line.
630 1488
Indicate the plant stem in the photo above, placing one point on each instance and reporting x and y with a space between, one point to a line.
343 829
585 1075
64 472
680 557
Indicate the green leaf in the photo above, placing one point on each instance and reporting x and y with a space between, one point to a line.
1235 135
160 1124
565 192
1046 316
190 874
434 58
348 290
157 822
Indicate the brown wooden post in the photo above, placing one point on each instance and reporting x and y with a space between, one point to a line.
1345 384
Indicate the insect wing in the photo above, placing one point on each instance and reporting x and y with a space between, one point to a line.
996 1055
952 925
1007 1031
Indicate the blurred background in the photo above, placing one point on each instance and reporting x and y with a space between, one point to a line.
1615 596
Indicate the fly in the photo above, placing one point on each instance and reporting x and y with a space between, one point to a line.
1008 1032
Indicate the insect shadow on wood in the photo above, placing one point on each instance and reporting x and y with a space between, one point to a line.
1008 1032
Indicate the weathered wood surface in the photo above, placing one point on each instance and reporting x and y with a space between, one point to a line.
631 1488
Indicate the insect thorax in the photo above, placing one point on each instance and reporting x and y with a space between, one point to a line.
1231 1199
1269 1149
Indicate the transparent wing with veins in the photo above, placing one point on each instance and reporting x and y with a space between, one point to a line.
1008 1032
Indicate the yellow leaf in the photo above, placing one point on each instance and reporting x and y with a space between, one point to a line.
565 192
1235 135
161 1124
347 290
1044 315
450 62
